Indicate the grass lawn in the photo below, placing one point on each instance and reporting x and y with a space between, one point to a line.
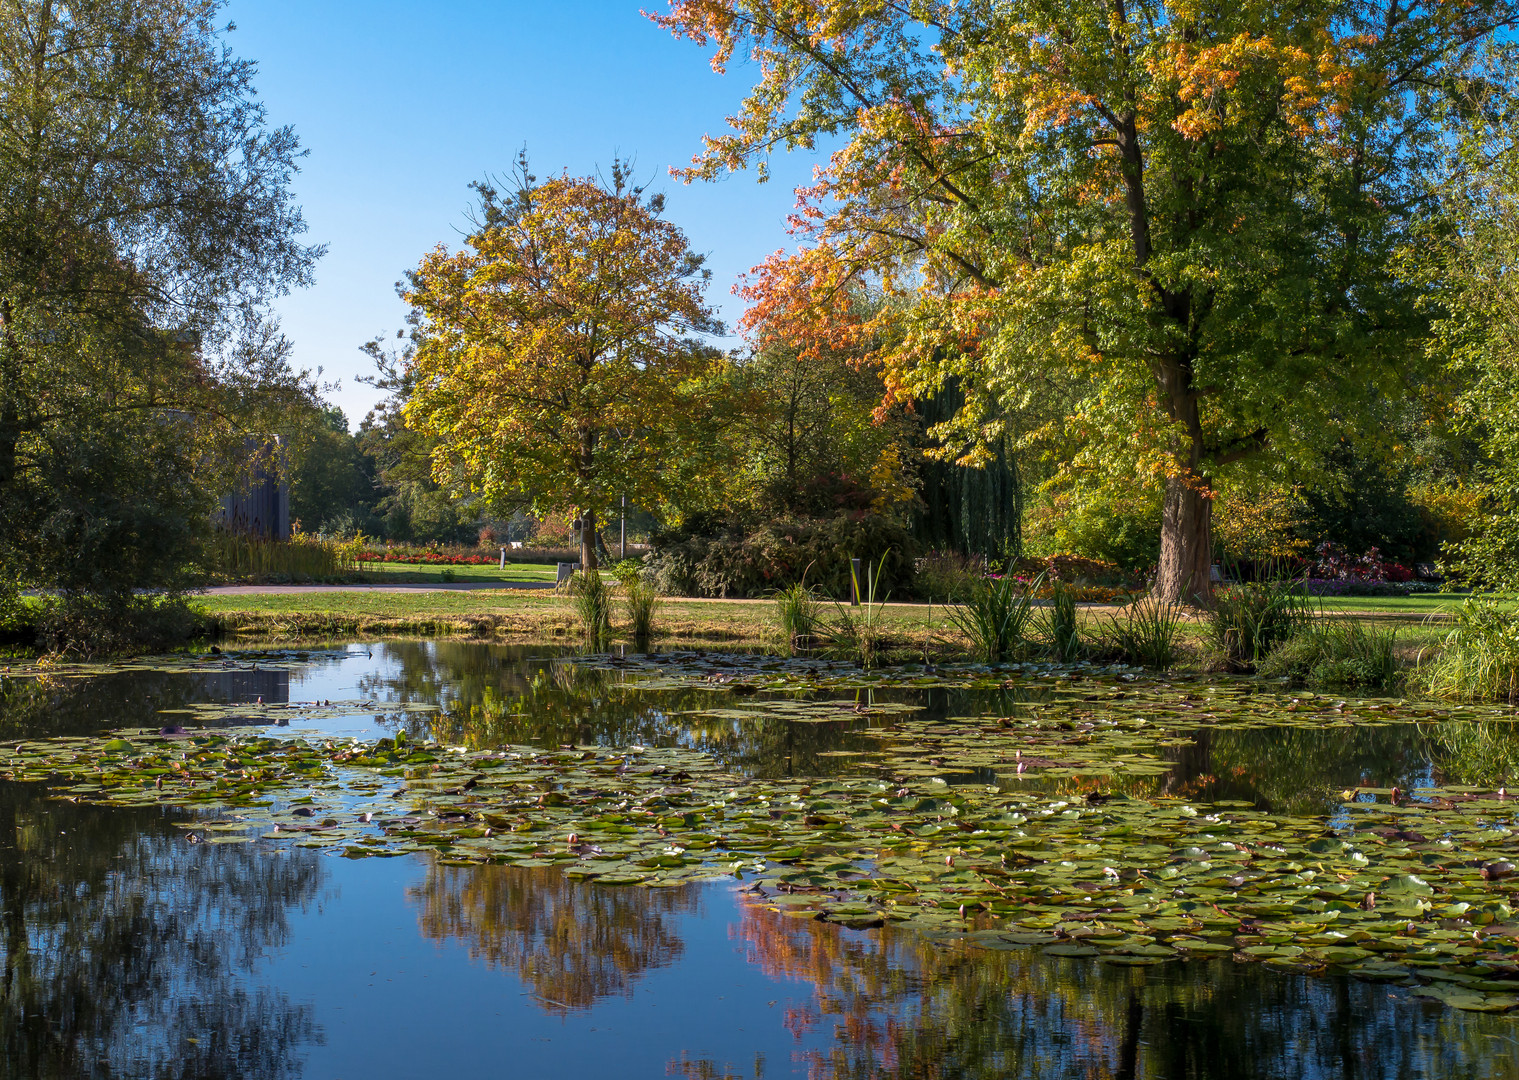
1419 605
406 573
520 615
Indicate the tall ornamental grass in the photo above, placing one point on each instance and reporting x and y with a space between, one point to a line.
799 613
303 557
1060 625
995 614
1143 633
592 599
1479 659
1248 621
642 602
1344 653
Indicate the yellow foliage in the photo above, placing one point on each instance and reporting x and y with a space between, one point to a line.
1450 512
1258 524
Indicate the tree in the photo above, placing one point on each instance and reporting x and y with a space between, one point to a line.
555 363
332 487
1190 211
1473 269
145 221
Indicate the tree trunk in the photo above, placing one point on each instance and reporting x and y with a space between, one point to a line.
588 541
1186 542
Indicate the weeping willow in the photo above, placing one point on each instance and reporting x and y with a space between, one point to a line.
974 511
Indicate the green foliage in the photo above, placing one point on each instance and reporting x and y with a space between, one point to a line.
855 632
1479 658
1336 654
1143 632
237 557
810 440
941 575
1096 522
148 226
1361 501
642 601
798 611
88 624
593 606
995 614
973 510
1059 623
739 556
1247 621
332 480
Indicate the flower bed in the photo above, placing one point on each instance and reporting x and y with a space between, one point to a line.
428 558
1354 587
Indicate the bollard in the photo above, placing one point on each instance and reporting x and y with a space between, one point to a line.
503 558
854 582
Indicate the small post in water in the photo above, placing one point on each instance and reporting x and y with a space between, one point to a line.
854 582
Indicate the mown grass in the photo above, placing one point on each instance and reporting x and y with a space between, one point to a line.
912 631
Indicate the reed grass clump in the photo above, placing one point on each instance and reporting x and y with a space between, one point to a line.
1059 624
303 557
1248 621
799 613
1143 633
855 633
592 599
642 602
1479 658
995 614
1331 654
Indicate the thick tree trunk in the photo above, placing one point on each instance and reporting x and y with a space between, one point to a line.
588 541
1186 542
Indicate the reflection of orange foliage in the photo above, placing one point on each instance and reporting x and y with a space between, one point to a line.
570 941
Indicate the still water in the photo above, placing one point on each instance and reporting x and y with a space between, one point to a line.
130 952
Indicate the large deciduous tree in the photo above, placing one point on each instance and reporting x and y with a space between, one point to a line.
145 222
556 361
1189 212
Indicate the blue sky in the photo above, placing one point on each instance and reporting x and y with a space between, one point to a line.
401 105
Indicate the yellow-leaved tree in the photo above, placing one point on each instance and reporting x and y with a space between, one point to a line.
558 363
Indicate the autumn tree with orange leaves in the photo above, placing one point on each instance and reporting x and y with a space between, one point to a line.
558 362
1192 213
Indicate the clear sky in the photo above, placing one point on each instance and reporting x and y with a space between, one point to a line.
402 104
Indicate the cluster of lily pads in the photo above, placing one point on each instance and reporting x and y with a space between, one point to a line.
938 831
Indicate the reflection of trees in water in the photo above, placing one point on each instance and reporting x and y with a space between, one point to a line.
492 696
1295 770
124 946
45 705
896 1005
572 942
1477 752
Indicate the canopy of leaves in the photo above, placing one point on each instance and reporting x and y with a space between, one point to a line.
145 221
556 365
1187 212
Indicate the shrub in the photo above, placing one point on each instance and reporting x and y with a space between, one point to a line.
1336 653
301 558
1248 621
711 556
994 613
1143 633
943 574
1479 659
115 624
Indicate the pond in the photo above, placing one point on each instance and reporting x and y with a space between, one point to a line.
1020 872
